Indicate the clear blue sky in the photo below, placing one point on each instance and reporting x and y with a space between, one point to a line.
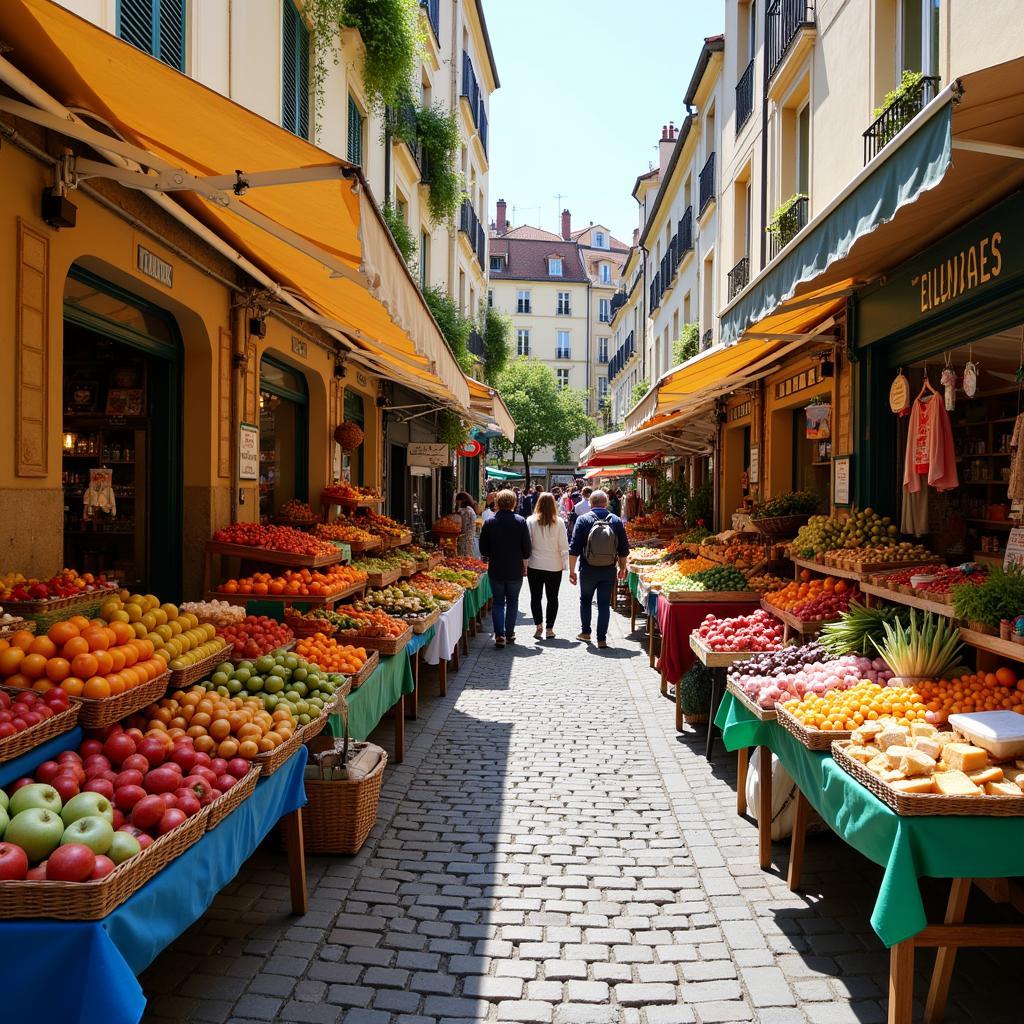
585 87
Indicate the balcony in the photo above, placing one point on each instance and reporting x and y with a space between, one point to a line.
475 344
473 94
706 338
470 226
739 277
656 292
621 357
562 353
905 107
432 8
782 24
618 301
745 97
684 236
706 188
788 225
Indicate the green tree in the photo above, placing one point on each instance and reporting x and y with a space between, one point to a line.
497 332
546 416
687 345
401 233
639 390
455 326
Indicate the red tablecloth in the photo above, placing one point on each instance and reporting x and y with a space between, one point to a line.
677 621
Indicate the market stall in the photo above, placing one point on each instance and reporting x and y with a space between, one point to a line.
444 646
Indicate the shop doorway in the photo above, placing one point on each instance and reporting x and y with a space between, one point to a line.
121 466
284 430
812 459
397 505
353 468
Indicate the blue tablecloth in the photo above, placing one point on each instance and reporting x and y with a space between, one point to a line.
55 972
420 640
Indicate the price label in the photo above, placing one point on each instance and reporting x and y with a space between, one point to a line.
1014 548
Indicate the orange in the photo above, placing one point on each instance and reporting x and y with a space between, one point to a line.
23 639
76 645
10 659
79 621
43 645
97 639
58 669
61 632
122 632
18 681
104 661
1006 676
42 685
72 686
116 684
116 655
85 665
96 688
33 666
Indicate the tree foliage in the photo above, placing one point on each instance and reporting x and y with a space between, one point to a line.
455 326
546 416
687 345
401 232
497 332
640 388
438 134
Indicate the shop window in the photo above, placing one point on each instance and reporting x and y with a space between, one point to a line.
284 428
294 71
812 460
353 464
121 468
155 26
356 131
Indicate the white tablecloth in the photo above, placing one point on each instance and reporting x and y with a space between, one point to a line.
447 635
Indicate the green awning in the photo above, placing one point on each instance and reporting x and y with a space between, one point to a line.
501 474
902 175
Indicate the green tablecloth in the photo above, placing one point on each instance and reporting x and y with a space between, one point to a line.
908 848
476 599
380 693
633 582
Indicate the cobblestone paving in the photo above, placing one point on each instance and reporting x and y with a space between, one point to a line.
552 852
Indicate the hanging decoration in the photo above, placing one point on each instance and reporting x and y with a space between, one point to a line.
971 375
818 421
899 394
470 449
948 382
349 435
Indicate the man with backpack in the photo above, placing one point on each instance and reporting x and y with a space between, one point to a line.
600 544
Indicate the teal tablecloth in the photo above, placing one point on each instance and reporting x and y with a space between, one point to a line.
420 640
906 847
381 692
476 599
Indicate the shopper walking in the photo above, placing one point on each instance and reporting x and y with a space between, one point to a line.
599 543
550 548
488 512
466 509
505 543
615 502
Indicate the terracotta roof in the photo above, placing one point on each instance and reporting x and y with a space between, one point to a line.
528 231
526 259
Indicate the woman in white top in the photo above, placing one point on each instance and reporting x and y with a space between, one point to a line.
547 562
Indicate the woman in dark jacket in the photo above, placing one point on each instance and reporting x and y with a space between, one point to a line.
505 543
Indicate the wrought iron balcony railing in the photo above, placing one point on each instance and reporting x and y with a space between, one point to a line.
898 115
788 226
707 184
745 97
783 21
739 277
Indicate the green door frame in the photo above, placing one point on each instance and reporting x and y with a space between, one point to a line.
167 497
300 399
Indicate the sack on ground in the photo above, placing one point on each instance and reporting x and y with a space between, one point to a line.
783 796
602 544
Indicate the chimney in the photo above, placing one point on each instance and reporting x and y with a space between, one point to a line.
665 147
566 226
501 226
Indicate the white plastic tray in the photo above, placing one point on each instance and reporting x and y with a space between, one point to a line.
1001 733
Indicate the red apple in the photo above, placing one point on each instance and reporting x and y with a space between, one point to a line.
119 818
38 873
153 750
239 767
203 759
173 817
48 771
104 865
73 862
162 780
218 766
13 862
7 729
126 797
66 785
97 785
90 747
15 786
185 756
118 747
148 812
135 763
98 760
131 777
225 782
169 799
187 801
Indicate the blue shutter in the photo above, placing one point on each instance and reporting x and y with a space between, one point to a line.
355 133
294 71
155 26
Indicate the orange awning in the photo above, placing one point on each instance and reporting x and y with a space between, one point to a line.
360 286
488 404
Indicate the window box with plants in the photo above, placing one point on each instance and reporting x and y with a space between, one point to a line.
787 221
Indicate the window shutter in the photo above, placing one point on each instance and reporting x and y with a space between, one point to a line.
355 133
294 72
155 26
135 23
171 42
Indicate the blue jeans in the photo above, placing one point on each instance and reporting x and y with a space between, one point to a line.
506 605
598 581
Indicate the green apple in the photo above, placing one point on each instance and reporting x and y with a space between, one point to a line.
123 846
5 800
86 804
93 831
37 831
4 821
265 664
38 794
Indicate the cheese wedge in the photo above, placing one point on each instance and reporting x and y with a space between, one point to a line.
863 733
921 784
1003 789
892 775
954 783
945 738
914 762
892 736
878 764
860 753
922 729
1014 775
986 775
896 753
964 757
927 745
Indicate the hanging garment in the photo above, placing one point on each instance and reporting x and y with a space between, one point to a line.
931 456
100 499
1015 491
914 515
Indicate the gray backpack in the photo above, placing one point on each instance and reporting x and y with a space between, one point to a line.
602 547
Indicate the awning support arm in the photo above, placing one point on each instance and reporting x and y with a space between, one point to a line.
990 148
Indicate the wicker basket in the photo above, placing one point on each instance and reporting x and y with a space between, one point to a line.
227 802
422 625
15 626
90 901
370 666
780 526
695 719
273 759
812 739
24 741
341 813
922 804
383 644
183 677
303 627
98 712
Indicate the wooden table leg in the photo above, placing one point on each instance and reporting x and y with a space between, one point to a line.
412 700
400 732
464 640
901 982
442 676
717 692
664 683
679 707
456 658
632 613
764 808
472 626
945 956
742 764
292 825
796 846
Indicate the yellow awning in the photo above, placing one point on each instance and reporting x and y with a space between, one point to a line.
373 298
486 402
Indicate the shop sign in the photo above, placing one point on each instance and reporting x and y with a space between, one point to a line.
436 456
963 266
469 449
754 473
1014 556
299 347
152 266
818 422
248 451
841 465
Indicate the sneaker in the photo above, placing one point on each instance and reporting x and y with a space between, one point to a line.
510 638
538 633
499 642
550 634
585 637
603 644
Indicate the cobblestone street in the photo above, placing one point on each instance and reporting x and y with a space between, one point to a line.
552 851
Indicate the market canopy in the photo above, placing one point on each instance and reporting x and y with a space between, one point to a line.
501 474
599 452
609 473
959 156
488 406
306 218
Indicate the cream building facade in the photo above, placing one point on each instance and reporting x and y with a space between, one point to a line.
261 54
